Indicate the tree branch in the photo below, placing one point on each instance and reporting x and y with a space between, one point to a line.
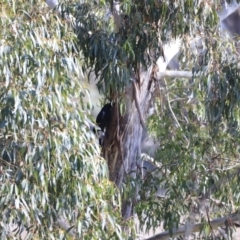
197 227
135 90
116 15
64 225
175 74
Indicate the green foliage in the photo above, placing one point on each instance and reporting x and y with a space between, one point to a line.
100 47
197 122
50 165
114 55
216 77
197 167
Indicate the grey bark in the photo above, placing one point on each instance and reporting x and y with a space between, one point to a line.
122 144
197 227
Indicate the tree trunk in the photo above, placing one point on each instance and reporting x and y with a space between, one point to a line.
122 143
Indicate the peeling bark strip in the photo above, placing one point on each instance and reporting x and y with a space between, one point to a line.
122 143
135 90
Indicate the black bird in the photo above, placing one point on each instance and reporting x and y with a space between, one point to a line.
104 116
102 120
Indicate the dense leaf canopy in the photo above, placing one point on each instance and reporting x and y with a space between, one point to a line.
50 163
142 29
51 167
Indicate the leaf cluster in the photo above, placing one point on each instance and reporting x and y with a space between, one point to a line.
50 165
197 167
143 28
213 60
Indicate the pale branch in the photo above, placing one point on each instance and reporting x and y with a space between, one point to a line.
117 15
175 74
64 225
137 104
215 224
227 8
173 114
